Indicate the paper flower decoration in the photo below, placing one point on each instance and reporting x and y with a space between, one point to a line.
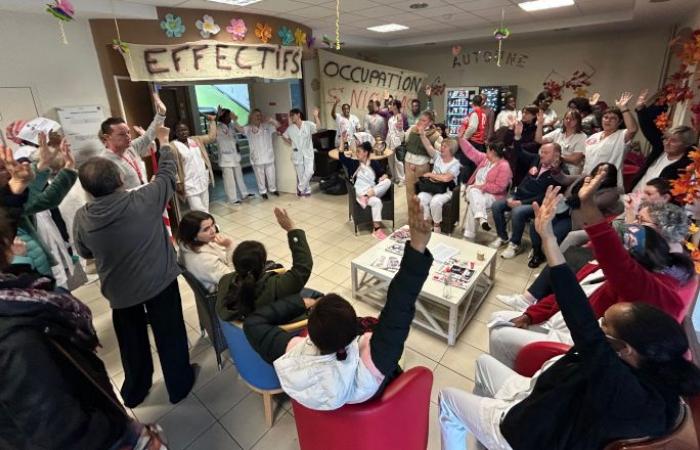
299 37
207 27
237 29
264 32
285 35
501 34
63 11
172 25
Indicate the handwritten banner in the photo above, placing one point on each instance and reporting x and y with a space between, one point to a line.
354 82
211 60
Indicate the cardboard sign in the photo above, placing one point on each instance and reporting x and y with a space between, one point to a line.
211 60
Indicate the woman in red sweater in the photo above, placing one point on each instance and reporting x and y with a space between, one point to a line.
643 267
488 183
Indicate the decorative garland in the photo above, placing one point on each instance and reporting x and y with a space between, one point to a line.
678 88
63 11
501 34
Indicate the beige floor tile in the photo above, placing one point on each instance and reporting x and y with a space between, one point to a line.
337 274
476 334
223 392
246 421
426 344
214 438
444 377
461 358
185 422
283 436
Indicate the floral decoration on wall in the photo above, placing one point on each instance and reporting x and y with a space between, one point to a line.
285 34
679 87
264 32
207 27
237 29
300 37
172 25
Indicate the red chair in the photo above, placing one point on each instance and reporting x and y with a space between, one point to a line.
397 419
531 357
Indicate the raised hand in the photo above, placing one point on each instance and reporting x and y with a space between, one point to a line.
623 100
540 117
519 128
283 219
158 103
21 174
386 95
594 99
591 184
45 153
211 117
641 100
428 90
545 213
139 130
68 159
316 112
163 134
420 228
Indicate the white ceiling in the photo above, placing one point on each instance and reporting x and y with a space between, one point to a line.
443 21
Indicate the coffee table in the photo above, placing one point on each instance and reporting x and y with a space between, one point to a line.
442 310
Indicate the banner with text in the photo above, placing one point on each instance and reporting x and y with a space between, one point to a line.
211 60
354 82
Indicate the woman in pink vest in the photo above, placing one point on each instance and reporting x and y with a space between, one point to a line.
488 183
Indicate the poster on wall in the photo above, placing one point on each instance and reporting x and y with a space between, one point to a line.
354 82
211 60
80 125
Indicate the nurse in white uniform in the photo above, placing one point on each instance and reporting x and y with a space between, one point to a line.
230 158
298 135
259 133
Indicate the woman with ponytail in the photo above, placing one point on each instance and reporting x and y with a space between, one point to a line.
250 286
622 379
344 359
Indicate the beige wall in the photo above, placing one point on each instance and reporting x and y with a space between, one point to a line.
630 60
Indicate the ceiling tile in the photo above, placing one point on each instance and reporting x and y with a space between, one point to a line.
313 12
438 11
356 5
381 12
279 5
603 6
477 5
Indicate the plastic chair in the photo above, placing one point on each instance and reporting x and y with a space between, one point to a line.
683 437
361 216
397 419
255 372
206 311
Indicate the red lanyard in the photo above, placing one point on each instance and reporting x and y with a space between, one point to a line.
134 165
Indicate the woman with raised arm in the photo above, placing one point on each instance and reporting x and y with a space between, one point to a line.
339 361
623 379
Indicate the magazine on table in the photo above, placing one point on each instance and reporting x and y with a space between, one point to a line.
455 272
396 248
401 235
389 263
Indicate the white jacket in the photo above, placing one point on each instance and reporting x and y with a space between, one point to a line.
208 264
322 382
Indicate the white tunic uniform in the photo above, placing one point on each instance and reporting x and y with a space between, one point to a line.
196 173
260 142
228 150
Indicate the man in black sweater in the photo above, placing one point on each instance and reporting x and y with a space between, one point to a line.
543 169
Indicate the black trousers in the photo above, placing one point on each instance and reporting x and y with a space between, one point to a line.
164 313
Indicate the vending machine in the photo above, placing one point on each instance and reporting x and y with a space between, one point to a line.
496 96
457 106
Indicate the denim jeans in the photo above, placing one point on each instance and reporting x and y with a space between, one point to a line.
561 225
520 216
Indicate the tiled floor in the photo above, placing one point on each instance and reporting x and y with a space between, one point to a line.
221 412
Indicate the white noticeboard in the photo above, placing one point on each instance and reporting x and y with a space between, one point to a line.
81 124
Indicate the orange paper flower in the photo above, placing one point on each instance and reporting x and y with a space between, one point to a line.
264 32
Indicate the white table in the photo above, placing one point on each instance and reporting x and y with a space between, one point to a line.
445 316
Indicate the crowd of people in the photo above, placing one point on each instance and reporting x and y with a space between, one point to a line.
561 177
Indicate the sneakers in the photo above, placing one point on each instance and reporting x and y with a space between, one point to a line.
498 243
516 301
511 251
484 224
379 234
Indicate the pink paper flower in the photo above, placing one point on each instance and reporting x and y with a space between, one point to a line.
237 29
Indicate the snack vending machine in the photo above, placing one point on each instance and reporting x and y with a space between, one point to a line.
496 96
457 106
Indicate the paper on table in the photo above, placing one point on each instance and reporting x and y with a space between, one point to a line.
442 252
499 322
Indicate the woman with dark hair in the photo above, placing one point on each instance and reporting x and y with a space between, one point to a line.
342 360
590 124
568 217
194 171
251 286
609 144
230 156
570 138
203 250
544 102
474 127
524 141
623 379
488 183
648 265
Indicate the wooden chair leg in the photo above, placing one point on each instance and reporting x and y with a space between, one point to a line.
267 404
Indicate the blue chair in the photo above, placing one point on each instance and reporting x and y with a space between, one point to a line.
255 372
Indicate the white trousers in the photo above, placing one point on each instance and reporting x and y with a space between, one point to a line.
265 172
398 172
506 342
375 202
305 170
234 176
477 204
432 205
479 414
199 202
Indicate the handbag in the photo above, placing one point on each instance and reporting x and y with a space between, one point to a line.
433 187
400 152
